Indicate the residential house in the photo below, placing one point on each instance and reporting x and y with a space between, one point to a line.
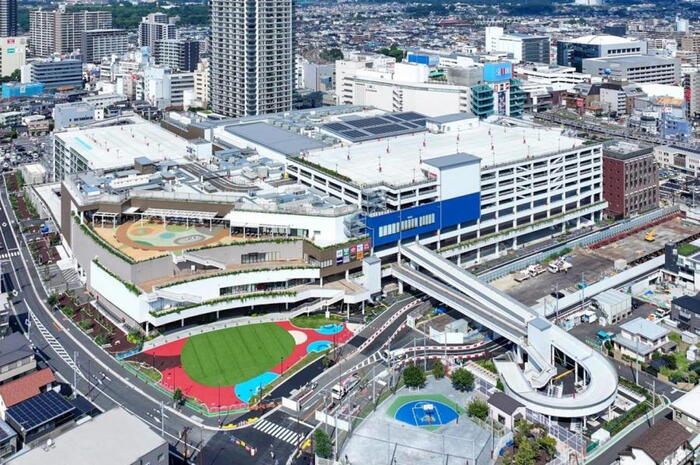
16 357
640 338
665 443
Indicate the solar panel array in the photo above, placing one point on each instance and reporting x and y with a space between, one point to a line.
39 409
375 127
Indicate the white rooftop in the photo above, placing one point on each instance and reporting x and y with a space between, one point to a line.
643 327
400 156
114 438
111 147
601 40
689 403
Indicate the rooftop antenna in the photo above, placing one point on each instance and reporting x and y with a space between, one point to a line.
348 153
414 175
387 147
423 139
380 163
420 156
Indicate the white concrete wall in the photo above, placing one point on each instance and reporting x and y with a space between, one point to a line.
208 289
323 230
117 294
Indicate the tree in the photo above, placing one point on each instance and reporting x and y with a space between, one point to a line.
526 454
53 299
178 396
499 384
478 408
548 445
462 380
393 51
413 376
438 370
331 54
322 444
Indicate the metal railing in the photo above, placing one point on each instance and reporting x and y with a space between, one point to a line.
579 242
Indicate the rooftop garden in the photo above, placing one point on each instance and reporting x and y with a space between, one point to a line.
687 249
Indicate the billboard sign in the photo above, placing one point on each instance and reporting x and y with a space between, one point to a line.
497 72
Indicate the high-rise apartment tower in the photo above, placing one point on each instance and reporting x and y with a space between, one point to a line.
251 65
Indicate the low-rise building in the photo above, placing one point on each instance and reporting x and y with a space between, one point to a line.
665 443
505 410
640 338
640 68
686 409
26 387
114 438
685 311
16 357
39 415
8 441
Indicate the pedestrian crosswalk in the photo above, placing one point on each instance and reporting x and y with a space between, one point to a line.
8 254
277 431
55 345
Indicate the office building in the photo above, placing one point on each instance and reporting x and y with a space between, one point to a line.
164 88
522 47
114 438
177 54
154 27
251 62
60 31
639 68
54 74
101 43
201 83
13 54
8 18
572 52
630 181
483 89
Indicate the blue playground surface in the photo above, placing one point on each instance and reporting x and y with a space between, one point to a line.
330 329
318 346
247 389
426 413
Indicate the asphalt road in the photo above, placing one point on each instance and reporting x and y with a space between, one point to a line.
101 378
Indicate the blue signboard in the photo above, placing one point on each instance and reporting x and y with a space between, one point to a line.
409 222
16 90
498 72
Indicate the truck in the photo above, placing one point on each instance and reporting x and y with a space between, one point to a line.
341 389
530 272
560 264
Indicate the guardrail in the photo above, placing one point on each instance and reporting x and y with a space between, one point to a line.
580 242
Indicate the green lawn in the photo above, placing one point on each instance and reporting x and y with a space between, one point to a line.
232 355
314 320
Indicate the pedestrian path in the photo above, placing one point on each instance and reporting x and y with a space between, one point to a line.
277 431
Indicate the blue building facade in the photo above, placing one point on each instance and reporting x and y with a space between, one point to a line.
390 227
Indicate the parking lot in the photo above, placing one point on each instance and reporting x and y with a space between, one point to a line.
532 291
595 264
634 246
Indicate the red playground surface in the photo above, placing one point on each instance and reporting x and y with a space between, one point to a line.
166 359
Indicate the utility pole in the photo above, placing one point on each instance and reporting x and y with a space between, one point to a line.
162 420
653 401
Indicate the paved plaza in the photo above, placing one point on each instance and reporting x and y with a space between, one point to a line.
383 439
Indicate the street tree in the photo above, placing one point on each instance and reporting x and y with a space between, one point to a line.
462 380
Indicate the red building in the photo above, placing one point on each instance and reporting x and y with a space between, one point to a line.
630 179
